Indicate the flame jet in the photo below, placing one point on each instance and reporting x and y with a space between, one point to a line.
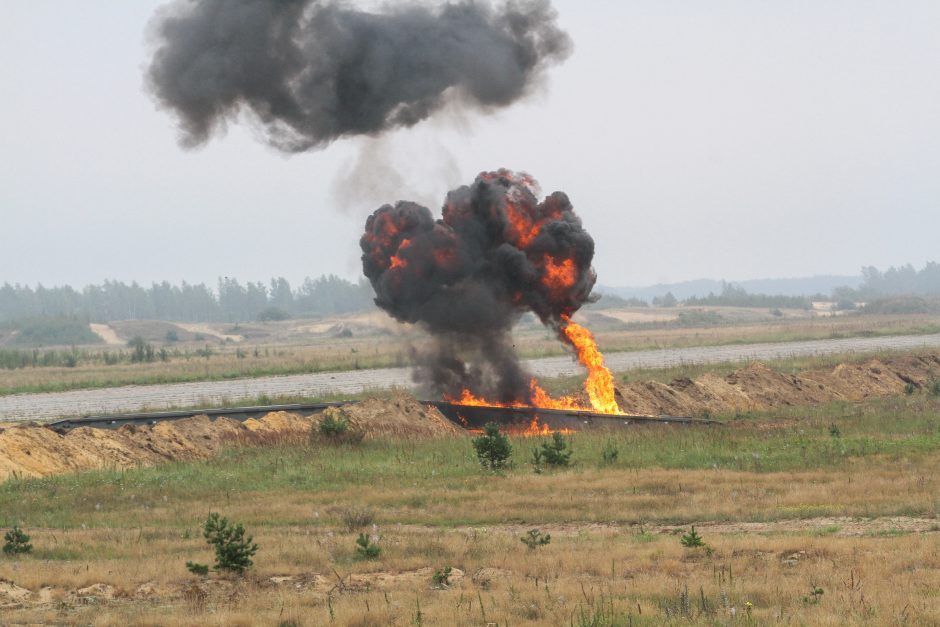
496 253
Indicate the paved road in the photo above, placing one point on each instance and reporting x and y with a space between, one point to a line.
131 398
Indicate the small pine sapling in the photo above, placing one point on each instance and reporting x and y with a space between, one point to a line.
16 542
197 569
233 551
537 461
492 448
366 548
534 539
692 540
557 452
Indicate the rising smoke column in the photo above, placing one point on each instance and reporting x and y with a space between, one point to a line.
496 253
308 72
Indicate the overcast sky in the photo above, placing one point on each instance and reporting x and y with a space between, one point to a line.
735 140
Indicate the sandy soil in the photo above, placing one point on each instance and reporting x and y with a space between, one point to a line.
206 329
106 333
35 451
757 387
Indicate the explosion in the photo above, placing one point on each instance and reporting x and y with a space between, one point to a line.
496 254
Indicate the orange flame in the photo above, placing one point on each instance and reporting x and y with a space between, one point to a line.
397 262
599 384
558 276
524 229
533 429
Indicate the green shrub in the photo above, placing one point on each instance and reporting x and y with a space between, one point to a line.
910 387
49 331
692 540
233 551
493 448
814 596
557 452
933 387
142 351
610 453
197 569
335 428
332 426
537 460
441 578
16 542
367 549
273 314
534 538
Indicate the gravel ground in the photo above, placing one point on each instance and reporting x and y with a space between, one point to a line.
49 406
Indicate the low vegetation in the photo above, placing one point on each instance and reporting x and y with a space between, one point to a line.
782 503
492 447
233 550
16 542
49 331
366 548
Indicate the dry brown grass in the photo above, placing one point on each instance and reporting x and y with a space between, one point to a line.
611 540
788 509
308 574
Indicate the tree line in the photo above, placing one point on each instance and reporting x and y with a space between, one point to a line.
230 301
876 285
901 281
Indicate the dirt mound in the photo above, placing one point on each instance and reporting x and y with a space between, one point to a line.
400 416
12 595
768 388
758 387
651 397
34 450
279 422
713 393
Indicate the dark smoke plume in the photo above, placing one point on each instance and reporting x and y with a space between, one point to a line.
310 71
496 253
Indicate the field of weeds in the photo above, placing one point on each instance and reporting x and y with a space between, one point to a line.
822 515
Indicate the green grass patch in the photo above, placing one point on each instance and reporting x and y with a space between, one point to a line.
412 477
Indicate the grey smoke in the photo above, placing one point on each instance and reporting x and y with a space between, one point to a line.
308 72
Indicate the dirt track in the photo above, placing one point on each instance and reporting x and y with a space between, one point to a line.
131 398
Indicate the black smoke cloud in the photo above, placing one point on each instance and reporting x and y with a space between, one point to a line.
496 253
309 72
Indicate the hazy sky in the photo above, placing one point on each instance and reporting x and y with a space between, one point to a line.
734 140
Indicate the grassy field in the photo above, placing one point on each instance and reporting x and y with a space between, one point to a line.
230 360
823 515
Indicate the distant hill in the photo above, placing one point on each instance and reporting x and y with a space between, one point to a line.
821 284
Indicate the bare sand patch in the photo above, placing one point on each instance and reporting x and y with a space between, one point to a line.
106 333
206 329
